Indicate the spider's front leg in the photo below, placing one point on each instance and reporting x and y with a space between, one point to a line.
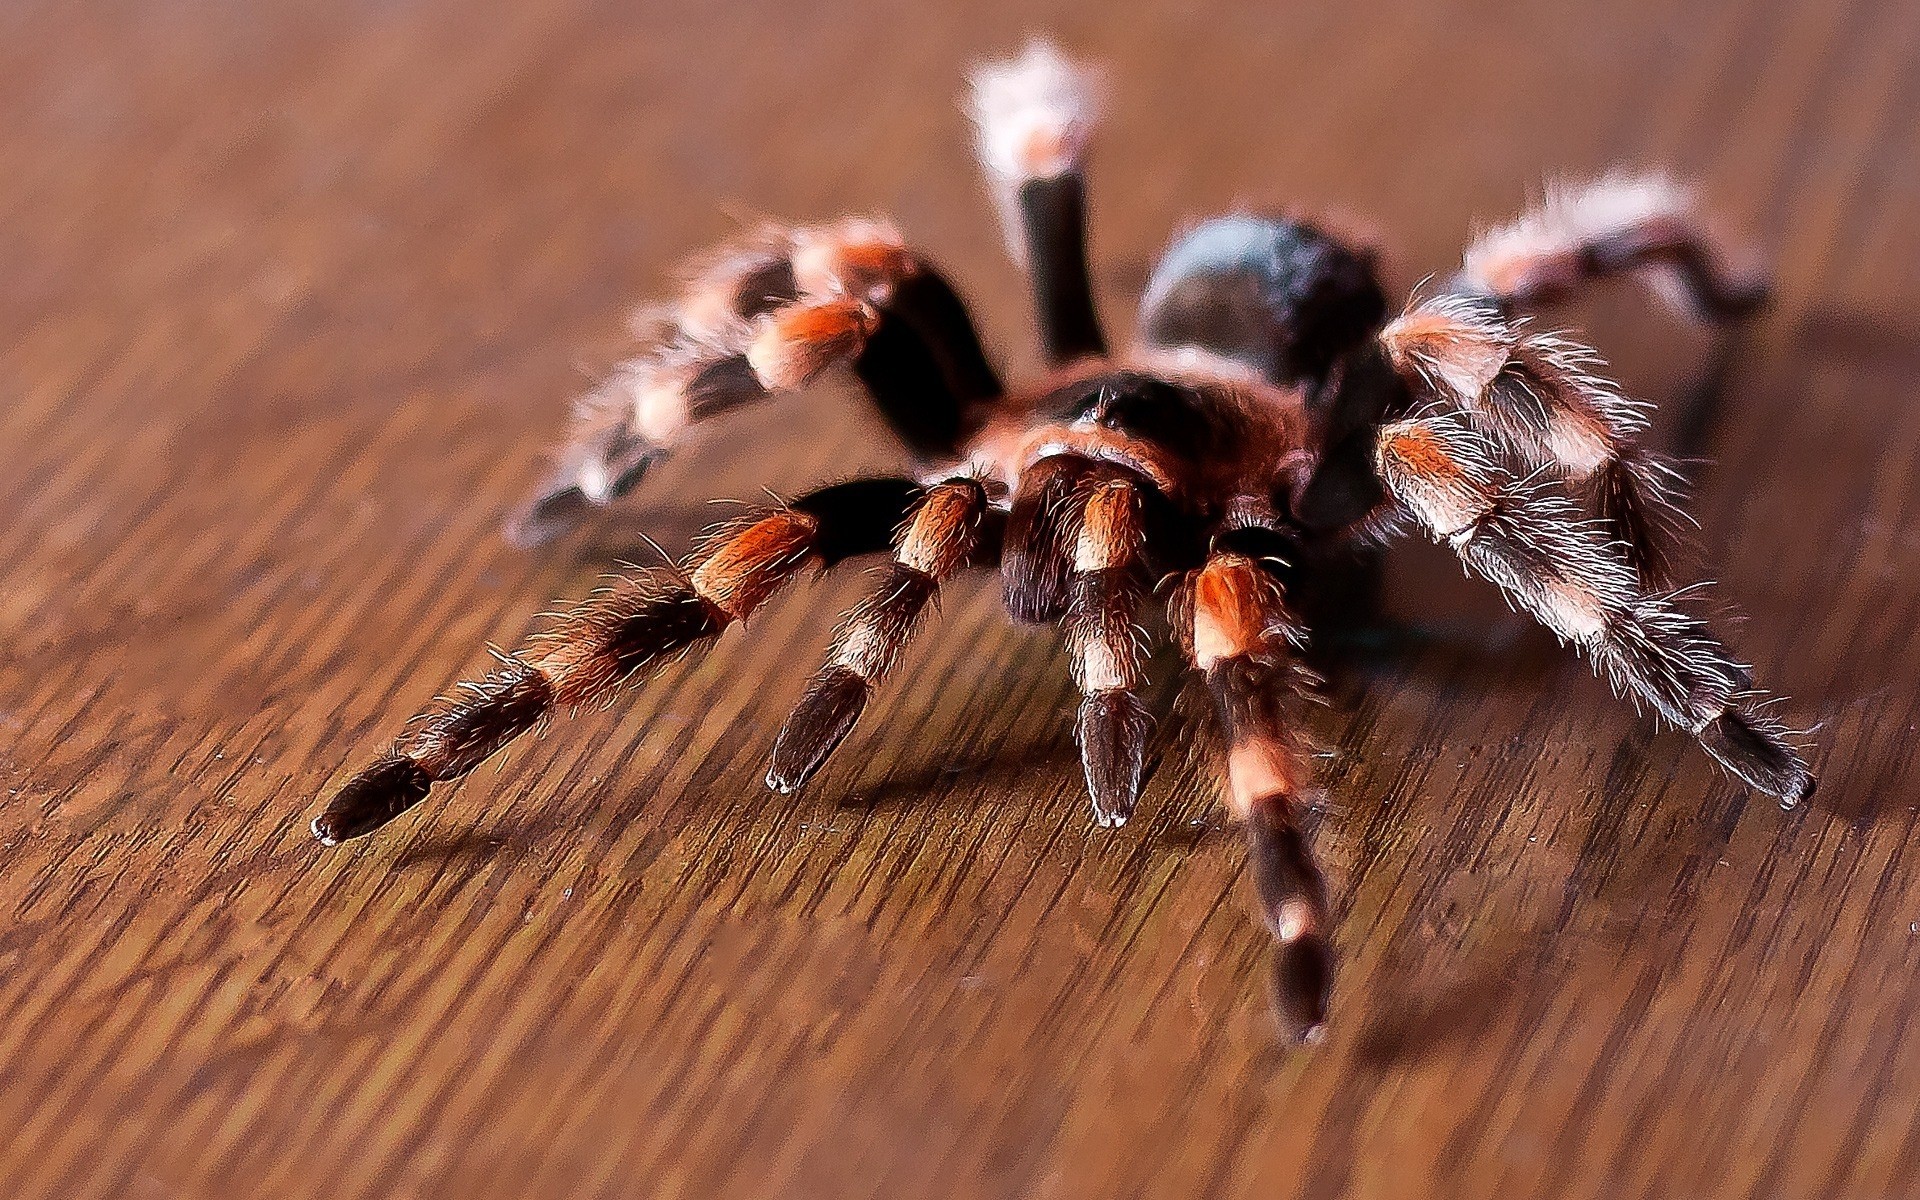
627 631
1530 541
1105 644
769 317
1075 550
1231 617
1544 400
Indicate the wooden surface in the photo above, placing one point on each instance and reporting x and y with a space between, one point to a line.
292 298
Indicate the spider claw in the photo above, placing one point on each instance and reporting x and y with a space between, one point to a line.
375 796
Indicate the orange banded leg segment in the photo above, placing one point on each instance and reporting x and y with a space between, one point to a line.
1646 226
618 636
1104 644
938 540
1238 635
1543 397
767 319
1532 543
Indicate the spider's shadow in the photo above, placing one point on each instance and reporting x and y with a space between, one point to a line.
907 780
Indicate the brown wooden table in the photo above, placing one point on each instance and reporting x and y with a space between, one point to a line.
292 299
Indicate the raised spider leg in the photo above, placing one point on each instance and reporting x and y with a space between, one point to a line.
1231 616
1530 541
766 317
1032 118
943 534
631 628
1543 393
1642 225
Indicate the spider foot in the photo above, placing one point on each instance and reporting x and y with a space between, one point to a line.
375 796
1293 906
820 722
1754 751
1113 731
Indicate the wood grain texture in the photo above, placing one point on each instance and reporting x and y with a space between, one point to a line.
293 298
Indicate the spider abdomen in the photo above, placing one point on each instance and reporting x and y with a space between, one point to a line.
1278 295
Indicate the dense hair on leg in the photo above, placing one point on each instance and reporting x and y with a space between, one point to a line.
591 649
1543 401
769 317
1532 543
938 540
1038 558
1104 642
1235 627
618 635
1637 498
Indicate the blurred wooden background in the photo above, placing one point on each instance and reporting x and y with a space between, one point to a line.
292 298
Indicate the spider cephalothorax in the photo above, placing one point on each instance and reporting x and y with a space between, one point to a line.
1270 411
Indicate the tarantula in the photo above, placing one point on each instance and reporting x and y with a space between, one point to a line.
1271 410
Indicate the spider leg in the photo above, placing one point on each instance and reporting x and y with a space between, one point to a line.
1105 645
1647 226
1038 559
941 537
1032 118
1530 540
768 317
1543 398
1231 617
618 636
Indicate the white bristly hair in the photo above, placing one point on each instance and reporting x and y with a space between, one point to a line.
1575 215
1032 117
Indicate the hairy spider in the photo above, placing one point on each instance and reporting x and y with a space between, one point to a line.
1271 410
